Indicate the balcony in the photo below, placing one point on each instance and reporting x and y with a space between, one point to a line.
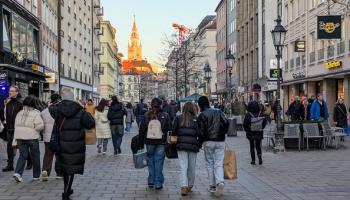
341 48
320 54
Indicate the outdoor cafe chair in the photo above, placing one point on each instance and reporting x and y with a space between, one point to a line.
292 131
332 133
311 131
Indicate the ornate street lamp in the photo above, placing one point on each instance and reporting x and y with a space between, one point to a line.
230 60
278 37
207 76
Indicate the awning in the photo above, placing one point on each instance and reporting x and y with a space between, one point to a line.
30 74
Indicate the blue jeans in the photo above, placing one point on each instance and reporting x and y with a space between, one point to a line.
155 162
25 147
117 136
128 126
214 157
187 160
10 153
102 143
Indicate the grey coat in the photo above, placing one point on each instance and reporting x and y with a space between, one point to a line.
130 115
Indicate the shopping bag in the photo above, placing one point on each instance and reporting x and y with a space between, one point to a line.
140 159
230 164
171 151
90 136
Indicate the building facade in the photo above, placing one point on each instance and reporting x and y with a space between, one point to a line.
306 73
96 13
231 37
247 46
49 45
76 35
131 84
108 59
20 55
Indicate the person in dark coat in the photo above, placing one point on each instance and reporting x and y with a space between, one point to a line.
141 109
155 147
72 120
186 129
254 137
116 113
295 110
168 109
340 114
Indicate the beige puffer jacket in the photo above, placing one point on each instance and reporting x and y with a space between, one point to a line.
28 124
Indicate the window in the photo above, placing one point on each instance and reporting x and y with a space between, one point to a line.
6 30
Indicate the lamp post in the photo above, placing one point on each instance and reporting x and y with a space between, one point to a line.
278 37
207 76
230 59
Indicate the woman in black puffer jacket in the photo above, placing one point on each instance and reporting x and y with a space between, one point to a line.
186 129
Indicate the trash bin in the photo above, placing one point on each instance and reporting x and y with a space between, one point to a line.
232 129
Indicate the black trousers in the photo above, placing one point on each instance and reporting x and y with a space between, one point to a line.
255 144
68 181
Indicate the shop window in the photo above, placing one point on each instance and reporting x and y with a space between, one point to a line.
6 30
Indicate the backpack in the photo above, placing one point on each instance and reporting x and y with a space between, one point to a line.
154 130
256 123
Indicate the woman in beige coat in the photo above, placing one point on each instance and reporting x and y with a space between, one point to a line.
103 131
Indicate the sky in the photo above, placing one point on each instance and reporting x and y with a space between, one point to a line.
154 19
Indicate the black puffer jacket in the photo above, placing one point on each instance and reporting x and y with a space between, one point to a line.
340 115
213 125
253 108
73 120
116 113
12 109
187 137
165 123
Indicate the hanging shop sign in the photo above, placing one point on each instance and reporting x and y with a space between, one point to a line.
3 77
299 46
329 27
37 68
334 64
299 75
50 77
274 73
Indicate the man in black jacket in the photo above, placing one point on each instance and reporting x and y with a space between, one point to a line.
141 109
12 108
213 126
116 113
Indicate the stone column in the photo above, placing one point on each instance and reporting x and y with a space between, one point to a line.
329 95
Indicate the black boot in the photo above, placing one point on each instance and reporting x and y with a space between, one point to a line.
260 160
8 168
65 196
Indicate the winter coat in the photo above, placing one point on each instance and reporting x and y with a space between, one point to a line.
28 124
253 108
141 109
12 108
316 109
116 113
295 111
169 109
129 115
48 124
165 122
90 108
340 115
187 136
213 125
72 120
103 129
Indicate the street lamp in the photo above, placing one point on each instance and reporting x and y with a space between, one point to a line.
278 37
207 76
230 59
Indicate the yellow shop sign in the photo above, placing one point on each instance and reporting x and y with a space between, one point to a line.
334 64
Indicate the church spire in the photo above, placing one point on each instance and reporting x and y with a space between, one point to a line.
135 48
134 28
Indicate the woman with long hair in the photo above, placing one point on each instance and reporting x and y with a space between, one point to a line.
103 130
186 129
153 129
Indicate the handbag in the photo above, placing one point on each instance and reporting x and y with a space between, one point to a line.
54 144
140 159
230 164
90 136
171 151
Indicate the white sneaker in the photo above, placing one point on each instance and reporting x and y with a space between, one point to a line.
104 153
44 176
36 179
219 189
59 177
18 177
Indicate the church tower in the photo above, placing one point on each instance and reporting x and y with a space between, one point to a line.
134 47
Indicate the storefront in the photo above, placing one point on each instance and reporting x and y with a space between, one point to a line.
19 51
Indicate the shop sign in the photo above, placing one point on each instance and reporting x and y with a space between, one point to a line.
3 77
51 77
37 68
271 85
299 75
329 27
299 46
274 73
334 64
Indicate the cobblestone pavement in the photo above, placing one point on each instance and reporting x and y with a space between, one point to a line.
313 175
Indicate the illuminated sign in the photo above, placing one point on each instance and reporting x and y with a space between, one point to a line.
37 68
51 77
334 64
299 46
329 27
274 73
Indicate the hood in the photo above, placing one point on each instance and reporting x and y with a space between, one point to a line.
68 108
116 106
253 107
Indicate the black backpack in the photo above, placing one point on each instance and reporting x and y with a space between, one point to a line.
136 144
